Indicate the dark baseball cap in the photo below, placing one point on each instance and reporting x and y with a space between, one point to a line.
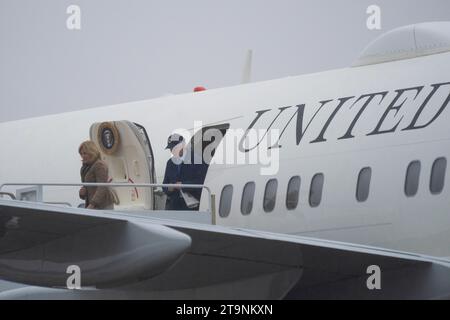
173 140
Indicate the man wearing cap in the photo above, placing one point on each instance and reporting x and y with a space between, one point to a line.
174 201
180 171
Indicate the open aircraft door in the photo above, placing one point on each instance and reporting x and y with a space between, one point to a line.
126 149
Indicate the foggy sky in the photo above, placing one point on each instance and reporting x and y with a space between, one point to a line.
140 49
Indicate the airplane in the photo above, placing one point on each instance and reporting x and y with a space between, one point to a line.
349 181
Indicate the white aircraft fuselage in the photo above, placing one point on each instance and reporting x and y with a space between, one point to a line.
382 116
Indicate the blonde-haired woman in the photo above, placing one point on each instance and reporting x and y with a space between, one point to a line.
94 170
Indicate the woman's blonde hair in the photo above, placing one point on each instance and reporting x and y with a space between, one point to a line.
90 148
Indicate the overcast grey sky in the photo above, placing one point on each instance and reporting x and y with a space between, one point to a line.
131 50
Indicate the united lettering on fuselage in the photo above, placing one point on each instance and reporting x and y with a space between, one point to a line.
419 95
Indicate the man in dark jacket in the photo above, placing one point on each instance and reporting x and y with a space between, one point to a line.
172 175
179 171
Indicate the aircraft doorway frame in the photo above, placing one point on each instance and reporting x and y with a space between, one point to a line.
126 148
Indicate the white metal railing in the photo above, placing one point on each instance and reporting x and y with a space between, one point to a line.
211 198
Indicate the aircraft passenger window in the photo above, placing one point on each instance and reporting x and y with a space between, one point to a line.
225 201
438 175
270 195
412 178
315 193
363 186
293 192
247 198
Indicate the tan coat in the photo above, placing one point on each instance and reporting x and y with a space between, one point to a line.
99 197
